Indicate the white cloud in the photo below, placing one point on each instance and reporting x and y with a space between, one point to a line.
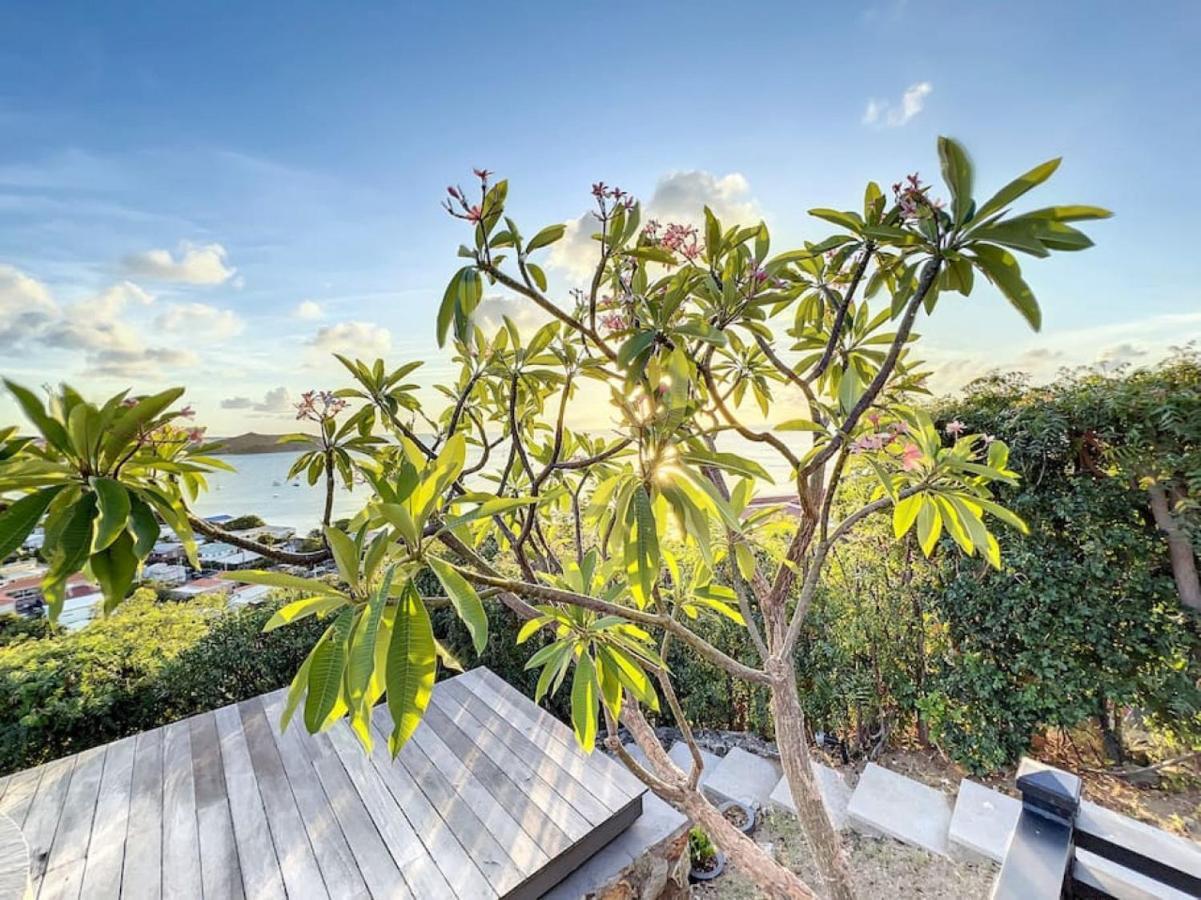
524 313
362 339
195 264
143 362
884 113
678 197
276 400
200 320
308 309
25 305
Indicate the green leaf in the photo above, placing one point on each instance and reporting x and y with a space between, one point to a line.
115 567
302 609
325 674
642 564
929 526
113 502
957 173
1000 267
143 525
730 462
849 220
51 429
361 663
904 514
1017 187
559 657
398 515
283 580
134 418
346 555
412 661
300 683
69 547
800 425
465 600
19 520
545 237
585 703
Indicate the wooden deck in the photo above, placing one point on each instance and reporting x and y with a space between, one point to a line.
490 798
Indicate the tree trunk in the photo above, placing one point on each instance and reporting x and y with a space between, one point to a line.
1180 549
329 487
794 754
743 853
1110 738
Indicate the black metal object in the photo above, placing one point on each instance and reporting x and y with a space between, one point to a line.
1041 864
1040 853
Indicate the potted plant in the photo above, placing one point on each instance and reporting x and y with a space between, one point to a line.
707 861
739 815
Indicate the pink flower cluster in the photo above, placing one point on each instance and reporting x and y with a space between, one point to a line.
614 322
911 453
911 197
316 406
682 239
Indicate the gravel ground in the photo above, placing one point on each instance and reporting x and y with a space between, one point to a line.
882 867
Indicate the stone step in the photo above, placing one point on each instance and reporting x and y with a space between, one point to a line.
682 757
887 803
744 777
836 794
983 822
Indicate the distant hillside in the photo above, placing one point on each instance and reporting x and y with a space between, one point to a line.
253 442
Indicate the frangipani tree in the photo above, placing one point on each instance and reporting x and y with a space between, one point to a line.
613 544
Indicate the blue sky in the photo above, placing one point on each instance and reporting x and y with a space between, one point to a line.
177 180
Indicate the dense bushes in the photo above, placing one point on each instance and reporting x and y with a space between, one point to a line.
147 664
1085 620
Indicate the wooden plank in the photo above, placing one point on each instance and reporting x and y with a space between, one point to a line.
522 849
414 861
64 882
106 845
337 862
261 876
302 878
469 831
220 871
142 875
44 813
527 709
544 801
375 862
182 877
79 809
557 741
456 864
21 788
575 791
533 820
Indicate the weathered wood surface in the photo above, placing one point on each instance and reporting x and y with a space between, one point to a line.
485 800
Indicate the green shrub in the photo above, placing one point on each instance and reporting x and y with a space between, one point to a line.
1085 620
148 664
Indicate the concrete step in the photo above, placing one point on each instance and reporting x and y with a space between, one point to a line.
836 794
983 822
887 803
681 756
744 777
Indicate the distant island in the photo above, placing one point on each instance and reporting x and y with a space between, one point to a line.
253 442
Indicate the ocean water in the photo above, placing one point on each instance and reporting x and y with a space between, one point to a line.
259 486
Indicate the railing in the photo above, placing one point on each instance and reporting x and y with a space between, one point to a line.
1063 848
